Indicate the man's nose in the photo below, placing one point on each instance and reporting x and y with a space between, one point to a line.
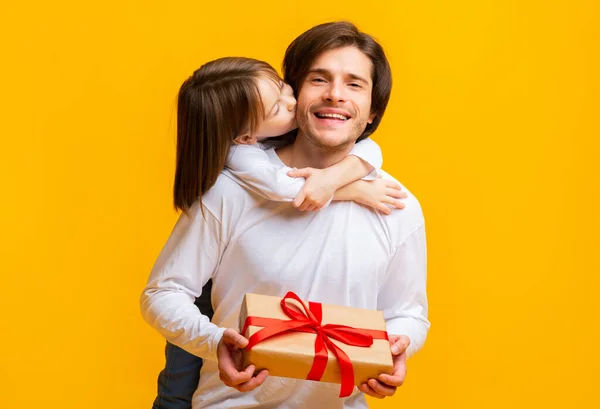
335 92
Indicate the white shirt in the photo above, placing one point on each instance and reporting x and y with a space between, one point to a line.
344 254
253 168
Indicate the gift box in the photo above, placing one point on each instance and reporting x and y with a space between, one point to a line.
307 340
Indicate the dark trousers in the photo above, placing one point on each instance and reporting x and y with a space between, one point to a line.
179 380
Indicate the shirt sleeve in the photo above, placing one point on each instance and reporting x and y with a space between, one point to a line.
185 264
370 152
403 297
252 168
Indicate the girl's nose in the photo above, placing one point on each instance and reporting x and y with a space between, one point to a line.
290 103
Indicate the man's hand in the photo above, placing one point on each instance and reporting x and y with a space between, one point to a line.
386 385
319 187
230 363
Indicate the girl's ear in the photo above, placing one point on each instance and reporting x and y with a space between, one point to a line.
245 139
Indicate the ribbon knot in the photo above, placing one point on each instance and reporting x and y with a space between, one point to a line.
309 319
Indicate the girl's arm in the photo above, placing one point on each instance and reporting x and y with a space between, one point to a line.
362 162
379 194
369 152
253 169
310 188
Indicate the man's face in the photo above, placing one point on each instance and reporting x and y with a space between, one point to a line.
334 101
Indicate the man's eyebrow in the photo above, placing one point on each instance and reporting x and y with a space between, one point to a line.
321 71
358 78
327 73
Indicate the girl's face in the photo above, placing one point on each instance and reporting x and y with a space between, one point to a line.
279 107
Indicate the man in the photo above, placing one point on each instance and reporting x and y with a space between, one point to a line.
344 254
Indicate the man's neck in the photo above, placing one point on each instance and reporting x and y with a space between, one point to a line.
303 153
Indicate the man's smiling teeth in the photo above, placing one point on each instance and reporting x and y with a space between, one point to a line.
334 116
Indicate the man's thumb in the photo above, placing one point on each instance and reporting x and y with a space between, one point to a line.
400 345
233 337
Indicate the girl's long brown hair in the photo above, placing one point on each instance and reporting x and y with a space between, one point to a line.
220 101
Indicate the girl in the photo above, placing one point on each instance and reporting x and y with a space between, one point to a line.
227 112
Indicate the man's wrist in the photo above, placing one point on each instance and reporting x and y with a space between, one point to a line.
216 340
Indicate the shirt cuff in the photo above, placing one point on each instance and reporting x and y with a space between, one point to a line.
214 344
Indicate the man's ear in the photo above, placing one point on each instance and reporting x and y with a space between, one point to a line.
245 139
371 118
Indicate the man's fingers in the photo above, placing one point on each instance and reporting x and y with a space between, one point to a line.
229 374
364 388
395 380
232 337
399 375
253 383
238 378
381 388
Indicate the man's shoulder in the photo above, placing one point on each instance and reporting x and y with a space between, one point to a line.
226 196
402 223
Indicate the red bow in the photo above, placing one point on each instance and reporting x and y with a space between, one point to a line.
309 320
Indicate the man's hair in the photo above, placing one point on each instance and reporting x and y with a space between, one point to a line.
306 48
220 101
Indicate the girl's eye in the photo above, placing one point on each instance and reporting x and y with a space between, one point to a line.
276 110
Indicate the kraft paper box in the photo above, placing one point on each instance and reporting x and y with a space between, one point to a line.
291 354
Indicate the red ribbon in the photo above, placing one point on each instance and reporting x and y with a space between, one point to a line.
309 320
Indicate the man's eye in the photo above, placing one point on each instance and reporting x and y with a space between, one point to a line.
354 84
318 80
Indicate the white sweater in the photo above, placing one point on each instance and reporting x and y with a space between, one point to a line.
344 254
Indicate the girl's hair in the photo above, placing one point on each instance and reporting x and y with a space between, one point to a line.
220 101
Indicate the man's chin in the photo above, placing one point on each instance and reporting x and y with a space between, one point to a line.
331 140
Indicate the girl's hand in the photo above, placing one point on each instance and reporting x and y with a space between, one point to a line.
379 194
319 188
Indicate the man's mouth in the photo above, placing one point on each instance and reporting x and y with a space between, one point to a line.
340 117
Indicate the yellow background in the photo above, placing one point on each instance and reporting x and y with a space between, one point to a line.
493 124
